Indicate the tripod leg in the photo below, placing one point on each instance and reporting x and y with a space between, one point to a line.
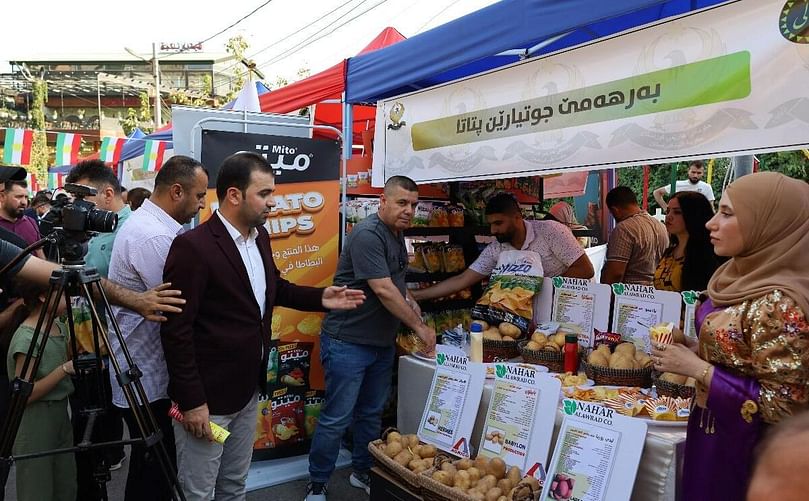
134 393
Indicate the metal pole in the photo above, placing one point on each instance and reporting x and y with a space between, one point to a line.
98 89
348 144
156 69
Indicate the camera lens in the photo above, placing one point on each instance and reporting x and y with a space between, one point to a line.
102 221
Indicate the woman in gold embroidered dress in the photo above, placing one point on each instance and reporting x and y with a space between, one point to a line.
752 366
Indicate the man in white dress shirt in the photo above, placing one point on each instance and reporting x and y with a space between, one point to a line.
137 263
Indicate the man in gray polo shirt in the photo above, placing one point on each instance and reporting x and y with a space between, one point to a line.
357 348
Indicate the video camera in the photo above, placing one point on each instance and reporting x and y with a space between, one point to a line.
73 222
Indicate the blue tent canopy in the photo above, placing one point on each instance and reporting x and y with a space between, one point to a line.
473 44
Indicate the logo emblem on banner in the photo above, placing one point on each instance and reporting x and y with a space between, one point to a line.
396 115
794 21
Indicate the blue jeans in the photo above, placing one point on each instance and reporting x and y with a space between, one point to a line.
358 380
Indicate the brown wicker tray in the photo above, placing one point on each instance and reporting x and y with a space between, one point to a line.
433 490
391 467
669 389
553 360
499 351
617 377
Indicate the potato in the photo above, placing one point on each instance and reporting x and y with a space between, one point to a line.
509 330
461 481
463 464
393 449
449 468
626 349
507 339
539 338
413 440
673 378
481 463
502 498
492 335
644 360
551 347
505 484
489 481
427 451
428 462
493 493
533 345
474 474
404 458
416 451
412 465
393 436
443 477
514 475
619 361
484 326
559 339
605 349
496 467
420 469
598 358
476 495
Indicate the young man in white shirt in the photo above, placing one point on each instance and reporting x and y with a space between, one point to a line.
696 171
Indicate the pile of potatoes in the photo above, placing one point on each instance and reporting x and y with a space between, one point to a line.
625 356
503 332
408 452
484 479
677 379
539 341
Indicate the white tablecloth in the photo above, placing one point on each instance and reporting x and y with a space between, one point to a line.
660 463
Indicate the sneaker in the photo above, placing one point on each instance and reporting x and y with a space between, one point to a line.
118 464
360 481
315 491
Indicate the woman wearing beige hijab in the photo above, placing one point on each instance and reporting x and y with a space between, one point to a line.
752 366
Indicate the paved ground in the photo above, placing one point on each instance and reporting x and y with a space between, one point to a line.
339 489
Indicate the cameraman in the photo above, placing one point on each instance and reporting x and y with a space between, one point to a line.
109 426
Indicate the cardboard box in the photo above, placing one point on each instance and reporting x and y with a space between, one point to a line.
386 488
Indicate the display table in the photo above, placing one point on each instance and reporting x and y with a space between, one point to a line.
660 464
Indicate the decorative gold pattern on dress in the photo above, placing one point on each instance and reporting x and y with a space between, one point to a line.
766 339
748 409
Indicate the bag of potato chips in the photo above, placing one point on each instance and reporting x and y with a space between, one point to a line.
509 297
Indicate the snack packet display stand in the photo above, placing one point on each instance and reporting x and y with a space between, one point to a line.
660 465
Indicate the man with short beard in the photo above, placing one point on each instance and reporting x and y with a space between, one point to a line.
217 352
14 198
694 183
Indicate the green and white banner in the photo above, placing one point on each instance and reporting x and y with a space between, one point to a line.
724 81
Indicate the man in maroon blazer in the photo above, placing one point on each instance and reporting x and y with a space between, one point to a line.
217 348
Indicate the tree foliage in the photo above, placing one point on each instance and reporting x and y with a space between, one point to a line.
39 146
791 163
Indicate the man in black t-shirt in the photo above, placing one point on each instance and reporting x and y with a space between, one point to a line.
357 348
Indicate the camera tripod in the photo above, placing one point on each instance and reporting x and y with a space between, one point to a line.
74 280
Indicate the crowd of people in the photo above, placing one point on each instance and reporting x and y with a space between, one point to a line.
195 307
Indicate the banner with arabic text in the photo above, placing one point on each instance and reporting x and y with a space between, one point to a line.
723 81
304 234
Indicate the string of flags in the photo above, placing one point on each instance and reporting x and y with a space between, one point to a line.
18 145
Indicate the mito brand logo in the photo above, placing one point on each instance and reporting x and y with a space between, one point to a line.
288 158
794 21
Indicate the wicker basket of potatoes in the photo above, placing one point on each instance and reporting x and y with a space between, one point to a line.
403 456
544 350
480 479
499 342
675 385
624 366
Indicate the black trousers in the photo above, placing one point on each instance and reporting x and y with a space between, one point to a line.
109 427
146 480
